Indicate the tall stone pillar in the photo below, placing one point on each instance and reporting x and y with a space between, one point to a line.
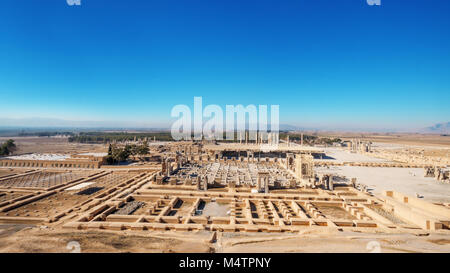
292 184
353 182
163 167
199 185
205 184
169 169
266 185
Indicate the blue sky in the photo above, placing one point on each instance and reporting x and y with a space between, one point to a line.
328 64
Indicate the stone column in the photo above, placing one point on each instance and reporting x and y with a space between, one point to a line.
292 184
169 169
266 185
354 182
199 186
205 184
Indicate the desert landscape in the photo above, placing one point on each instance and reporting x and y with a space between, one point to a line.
357 195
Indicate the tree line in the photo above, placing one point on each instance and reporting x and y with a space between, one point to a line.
45 134
310 139
108 137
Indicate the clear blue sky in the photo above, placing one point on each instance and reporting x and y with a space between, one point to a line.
326 63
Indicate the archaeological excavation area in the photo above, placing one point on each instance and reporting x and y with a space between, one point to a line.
219 189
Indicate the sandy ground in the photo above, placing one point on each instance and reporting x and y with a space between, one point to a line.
405 180
326 241
410 139
426 149
215 209
38 239
51 145
23 238
341 155
410 181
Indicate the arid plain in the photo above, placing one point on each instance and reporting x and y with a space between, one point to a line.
364 193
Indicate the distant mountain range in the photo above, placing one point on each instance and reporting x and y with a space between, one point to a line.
9 124
439 128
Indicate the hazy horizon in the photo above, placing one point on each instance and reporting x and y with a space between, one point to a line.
45 123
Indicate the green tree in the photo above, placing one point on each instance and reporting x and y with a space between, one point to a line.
8 147
143 149
110 150
121 154
3 150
